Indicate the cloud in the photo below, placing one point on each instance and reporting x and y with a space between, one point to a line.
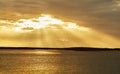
23 6
102 15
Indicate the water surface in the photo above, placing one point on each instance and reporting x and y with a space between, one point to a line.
59 62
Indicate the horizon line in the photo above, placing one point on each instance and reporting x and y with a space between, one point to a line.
64 48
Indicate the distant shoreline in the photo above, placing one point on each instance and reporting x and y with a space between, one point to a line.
69 48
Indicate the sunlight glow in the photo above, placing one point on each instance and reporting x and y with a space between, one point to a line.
5 22
44 21
4 27
48 31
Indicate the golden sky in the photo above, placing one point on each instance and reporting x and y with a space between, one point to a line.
60 23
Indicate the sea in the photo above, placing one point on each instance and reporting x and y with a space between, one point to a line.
42 61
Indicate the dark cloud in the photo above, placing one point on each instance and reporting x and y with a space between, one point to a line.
99 14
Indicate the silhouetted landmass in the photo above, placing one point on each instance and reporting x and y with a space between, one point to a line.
70 48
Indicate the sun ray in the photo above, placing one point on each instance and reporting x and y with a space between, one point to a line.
48 31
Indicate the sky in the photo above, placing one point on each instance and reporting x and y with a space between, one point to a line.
97 23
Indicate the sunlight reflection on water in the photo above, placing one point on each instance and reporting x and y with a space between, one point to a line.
59 62
29 52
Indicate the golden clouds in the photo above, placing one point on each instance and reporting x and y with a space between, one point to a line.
44 21
48 31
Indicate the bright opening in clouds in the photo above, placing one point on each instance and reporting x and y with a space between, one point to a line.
44 21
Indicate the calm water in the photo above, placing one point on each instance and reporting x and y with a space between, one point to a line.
59 62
